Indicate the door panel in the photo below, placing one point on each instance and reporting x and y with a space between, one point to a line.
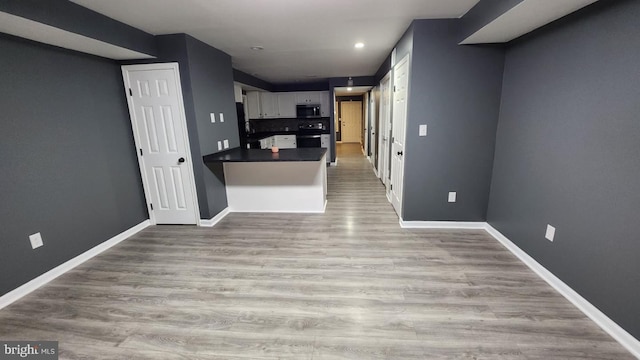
160 132
385 131
400 83
351 118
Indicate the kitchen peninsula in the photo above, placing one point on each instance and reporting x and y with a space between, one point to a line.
289 181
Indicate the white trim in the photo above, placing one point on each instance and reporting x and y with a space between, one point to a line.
603 321
619 334
214 220
43 279
442 224
174 66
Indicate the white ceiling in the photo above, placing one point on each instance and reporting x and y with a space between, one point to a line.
524 18
303 40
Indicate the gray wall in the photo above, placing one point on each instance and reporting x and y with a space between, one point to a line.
455 90
207 85
568 155
212 88
69 168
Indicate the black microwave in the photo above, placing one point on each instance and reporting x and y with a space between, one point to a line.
308 111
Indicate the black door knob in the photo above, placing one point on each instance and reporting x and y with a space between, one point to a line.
181 160
399 153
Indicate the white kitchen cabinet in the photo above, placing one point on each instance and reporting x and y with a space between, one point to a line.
308 97
325 104
287 105
285 141
281 141
269 105
253 104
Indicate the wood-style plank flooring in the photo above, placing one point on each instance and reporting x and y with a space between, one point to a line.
347 284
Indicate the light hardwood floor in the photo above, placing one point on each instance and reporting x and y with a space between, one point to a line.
347 284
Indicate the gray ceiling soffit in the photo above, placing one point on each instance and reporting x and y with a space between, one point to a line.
75 19
523 18
483 13
47 34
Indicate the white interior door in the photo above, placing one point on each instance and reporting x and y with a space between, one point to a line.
384 150
400 83
373 130
366 125
157 115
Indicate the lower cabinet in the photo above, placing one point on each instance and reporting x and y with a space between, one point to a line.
325 142
281 141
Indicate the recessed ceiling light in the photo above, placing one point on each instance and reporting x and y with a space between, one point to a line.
257 48
359 45
349 89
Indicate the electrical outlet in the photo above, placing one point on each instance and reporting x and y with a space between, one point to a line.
551 233
452 196
226 143
423 130
213 118
219 145
221 117
36 240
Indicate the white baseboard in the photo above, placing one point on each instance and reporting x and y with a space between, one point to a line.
609 326
442 224
619 334
43 279
214 220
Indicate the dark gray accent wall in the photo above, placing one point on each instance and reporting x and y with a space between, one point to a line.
455 90
212 88
69 168
302 86
207 86
74 18
206 77
568 155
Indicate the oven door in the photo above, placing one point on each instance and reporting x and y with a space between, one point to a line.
309 141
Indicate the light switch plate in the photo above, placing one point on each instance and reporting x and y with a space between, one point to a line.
221 117
219 145
213 118
551 233
36 240
452 196
423 130
226 143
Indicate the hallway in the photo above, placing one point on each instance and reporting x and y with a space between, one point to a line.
347 284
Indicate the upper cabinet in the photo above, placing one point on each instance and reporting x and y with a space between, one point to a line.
253 104
287 104
269 105
325 111
266 105
308 97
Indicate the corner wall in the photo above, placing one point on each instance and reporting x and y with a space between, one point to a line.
568 154
69 166
455 90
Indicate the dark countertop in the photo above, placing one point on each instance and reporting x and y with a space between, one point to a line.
260 155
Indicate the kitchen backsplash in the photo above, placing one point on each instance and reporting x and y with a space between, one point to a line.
272 125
